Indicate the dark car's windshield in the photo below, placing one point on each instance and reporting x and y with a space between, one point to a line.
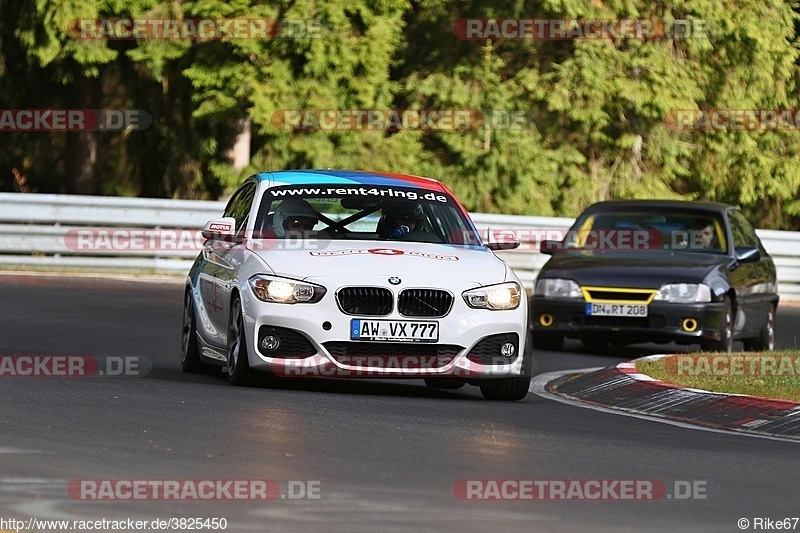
362 213
650 229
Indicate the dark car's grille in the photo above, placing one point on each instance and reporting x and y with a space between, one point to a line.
424 302
293 344
392 354
366 301
642 295
487 351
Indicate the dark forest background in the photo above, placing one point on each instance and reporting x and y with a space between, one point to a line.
598 107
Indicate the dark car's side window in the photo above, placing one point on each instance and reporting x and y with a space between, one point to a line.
239 205
744 236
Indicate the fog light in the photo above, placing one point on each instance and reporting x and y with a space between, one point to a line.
270 343
508 349
546 320
689 324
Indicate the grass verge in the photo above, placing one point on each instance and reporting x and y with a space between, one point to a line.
769 375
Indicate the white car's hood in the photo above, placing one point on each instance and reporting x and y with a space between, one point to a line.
355 259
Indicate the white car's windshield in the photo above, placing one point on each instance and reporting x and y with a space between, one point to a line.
362 213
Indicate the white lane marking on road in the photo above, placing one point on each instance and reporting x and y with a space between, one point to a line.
31 481
45 509
7 449
539 382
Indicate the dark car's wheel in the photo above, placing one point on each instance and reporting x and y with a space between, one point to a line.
516 388
725 342
190 353
444 383
238 365
766 339
548 342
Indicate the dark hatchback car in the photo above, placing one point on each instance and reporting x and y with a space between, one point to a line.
657 271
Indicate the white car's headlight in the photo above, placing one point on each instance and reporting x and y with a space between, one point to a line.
558 288
285 291
494 297
684 293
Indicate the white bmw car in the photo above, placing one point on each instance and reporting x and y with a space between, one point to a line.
355 274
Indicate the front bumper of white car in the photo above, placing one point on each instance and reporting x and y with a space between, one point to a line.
314 339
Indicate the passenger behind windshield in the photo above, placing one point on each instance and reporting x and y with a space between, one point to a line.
294 216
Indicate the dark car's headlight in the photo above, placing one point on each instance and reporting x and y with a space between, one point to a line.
285 291
684 293
498 297
558 288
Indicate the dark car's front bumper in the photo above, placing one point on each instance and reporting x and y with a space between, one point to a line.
664 323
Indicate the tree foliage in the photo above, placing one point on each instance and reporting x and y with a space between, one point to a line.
598 109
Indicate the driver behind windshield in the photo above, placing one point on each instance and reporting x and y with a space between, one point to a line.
704 236
399 218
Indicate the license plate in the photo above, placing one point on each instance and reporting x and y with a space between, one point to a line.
631 310
393 330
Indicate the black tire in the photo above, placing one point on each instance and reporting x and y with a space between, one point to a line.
238 365
508 389
516 388
190 352
725 343
765 342
444 383
547 342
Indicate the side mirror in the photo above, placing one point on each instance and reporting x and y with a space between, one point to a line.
550 247
220 229
748 255
502 239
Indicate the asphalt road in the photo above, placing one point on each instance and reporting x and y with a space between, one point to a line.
386 454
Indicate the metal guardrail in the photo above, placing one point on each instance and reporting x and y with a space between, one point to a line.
42 231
